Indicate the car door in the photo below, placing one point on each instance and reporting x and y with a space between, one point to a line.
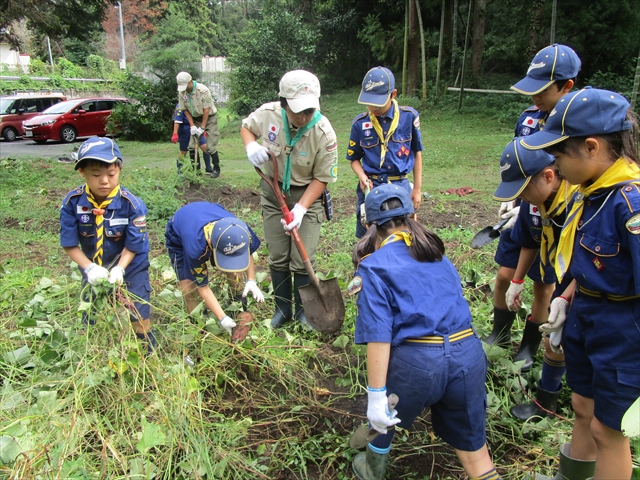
87 122
104 110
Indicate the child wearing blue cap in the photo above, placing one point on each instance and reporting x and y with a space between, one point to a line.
593 136
385 143
182 135
550 76
420 342
103 228
202 231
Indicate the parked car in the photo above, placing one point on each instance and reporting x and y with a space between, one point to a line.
66 121
15 109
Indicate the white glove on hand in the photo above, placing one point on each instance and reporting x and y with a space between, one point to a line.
252 287
256 153
194 130
298 212
199 131
513 295
512 215
378 412
95 272
505 207
227 323
557 315
554 341
116 275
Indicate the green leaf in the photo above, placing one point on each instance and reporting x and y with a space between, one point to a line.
18 357
9 449
341 342
152 435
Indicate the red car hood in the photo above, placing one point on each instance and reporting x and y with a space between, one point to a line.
40 119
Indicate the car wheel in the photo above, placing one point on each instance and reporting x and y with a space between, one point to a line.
9 134
68 134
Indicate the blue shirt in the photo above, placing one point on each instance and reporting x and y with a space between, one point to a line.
181 118
364 142
186 230
527 231
531 121
402 298
125 225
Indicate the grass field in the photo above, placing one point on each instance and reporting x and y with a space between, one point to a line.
83 403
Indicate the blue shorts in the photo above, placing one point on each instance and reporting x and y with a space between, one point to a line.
450 379
360 230
184 137
508 254
601 341
176 255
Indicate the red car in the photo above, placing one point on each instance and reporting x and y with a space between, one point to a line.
66 121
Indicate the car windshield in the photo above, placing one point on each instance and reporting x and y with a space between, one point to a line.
5 103
59 108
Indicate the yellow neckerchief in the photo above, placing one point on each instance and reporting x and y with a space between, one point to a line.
99 211
394 124
397 236
549 243
622 172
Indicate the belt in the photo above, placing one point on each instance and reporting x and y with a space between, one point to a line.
438 340
608 296
384 178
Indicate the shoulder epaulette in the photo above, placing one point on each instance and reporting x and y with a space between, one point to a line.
73 193
360 117
631 194
409 109
133 200
532 108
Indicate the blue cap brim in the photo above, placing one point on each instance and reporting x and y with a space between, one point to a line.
531 86
508 191
541 139
373 100
232 263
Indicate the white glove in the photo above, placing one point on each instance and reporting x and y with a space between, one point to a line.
256 153
194 130
116 275
227 323
557 315
505 207
512 215
199 131
378 412
298 212
554 341
95 272
513 295
252 287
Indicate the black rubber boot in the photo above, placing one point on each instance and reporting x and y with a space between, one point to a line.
215 160
149 339
369 465
179 165
501 333
240 299
282 293
570 468
207 162
300 280
529 345
547 400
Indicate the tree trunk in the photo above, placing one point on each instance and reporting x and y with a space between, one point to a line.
534 28
440 44
423 56
413 62
405 50
479 14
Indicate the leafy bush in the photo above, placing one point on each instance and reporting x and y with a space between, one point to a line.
95 64
612 81
68 69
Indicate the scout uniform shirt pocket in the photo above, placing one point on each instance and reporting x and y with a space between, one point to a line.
369 142
599 262
115 228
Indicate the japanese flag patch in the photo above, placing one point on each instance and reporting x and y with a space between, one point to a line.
367 125
83 209
533 210
273 128
530 122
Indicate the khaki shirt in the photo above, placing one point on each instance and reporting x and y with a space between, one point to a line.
315 155
196 101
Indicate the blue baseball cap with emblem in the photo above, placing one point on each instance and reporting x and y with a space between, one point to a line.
379 195
552 63
589 111
230 241
102 149
377 87
517 166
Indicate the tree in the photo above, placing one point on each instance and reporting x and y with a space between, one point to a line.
477 39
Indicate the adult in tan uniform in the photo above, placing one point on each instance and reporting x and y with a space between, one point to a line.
306 149
197 103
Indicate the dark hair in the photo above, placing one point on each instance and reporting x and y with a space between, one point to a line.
92 162
425 247
620 144
284 104
561 83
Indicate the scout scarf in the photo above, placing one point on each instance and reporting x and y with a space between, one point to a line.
286 176
99 212
622 172
384 141
397 236
549 244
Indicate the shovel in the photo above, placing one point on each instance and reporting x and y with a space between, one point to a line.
487 234
322 299
363 435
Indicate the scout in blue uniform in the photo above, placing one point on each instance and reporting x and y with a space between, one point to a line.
549 77
385 142
200 232
103 228
182 135
420 343
593 135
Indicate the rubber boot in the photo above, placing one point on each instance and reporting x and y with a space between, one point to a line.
215 161
548 400
240 299
529 345
149 339
207 162
300 280
179 165
192 155
282 293
369 465
570 468
501 333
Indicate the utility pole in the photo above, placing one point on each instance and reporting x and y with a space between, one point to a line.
554 9
50 56
123 59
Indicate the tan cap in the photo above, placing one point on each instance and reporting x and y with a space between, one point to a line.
301 89
183 79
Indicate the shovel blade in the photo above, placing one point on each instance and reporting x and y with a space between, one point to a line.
323 305
484 237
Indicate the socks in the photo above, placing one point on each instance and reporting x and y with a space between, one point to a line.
552 372
490 475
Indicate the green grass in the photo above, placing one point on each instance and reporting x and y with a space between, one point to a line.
80 402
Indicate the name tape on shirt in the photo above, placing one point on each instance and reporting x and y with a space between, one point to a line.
118 221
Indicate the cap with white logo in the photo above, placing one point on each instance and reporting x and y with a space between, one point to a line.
377 86
552 63
230 241
98 148
301 89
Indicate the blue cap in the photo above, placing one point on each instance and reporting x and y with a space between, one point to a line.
373 203
589 111
230 241
555 62
98 148
517 166
377 86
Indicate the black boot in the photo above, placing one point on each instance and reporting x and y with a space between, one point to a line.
300 280
207 162
547 400
570 468
215 160
529 345
179 165
282 292
501 333
237 297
